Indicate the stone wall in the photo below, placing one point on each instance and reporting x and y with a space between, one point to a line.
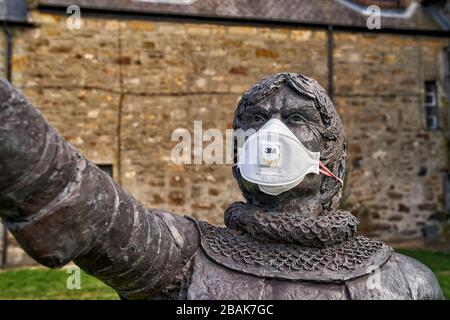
396 166
130 84
116 89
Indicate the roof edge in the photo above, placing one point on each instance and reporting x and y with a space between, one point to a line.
194 18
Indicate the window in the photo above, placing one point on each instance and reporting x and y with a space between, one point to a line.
447 192
431 106
447 71
108 168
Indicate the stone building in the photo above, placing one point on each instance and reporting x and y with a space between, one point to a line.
120 80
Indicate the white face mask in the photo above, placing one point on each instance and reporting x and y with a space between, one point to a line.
275 160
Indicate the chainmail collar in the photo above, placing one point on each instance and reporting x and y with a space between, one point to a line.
330 227
292 247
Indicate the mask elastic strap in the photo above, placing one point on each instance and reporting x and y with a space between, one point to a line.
325 171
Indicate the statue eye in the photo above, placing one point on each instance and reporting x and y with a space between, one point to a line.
256 119
295 118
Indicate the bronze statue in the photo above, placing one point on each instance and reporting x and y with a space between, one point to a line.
297 245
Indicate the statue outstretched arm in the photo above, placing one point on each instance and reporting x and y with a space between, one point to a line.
61 207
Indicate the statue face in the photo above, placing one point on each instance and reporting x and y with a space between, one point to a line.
301 116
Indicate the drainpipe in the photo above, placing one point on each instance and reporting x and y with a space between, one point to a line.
8 65
330 62
9 38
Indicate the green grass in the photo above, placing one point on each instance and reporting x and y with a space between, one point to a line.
48 284
41 283
439 262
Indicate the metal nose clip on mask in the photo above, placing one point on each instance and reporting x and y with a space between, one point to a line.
275 160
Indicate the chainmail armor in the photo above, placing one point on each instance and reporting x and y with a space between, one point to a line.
330 227
335 263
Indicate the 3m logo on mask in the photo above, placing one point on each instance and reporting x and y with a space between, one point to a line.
276 160
270 155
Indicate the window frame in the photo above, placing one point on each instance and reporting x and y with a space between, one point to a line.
447 71
431 108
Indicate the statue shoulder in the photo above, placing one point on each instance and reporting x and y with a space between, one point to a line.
400 278
421 280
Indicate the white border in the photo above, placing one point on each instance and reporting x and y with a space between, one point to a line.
384 13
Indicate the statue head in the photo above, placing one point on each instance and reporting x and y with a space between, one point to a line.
304 107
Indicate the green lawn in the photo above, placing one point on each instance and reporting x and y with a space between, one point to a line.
41 283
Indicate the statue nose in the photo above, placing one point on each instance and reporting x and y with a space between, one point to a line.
277 116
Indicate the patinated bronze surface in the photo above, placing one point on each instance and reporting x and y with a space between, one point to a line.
298 245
